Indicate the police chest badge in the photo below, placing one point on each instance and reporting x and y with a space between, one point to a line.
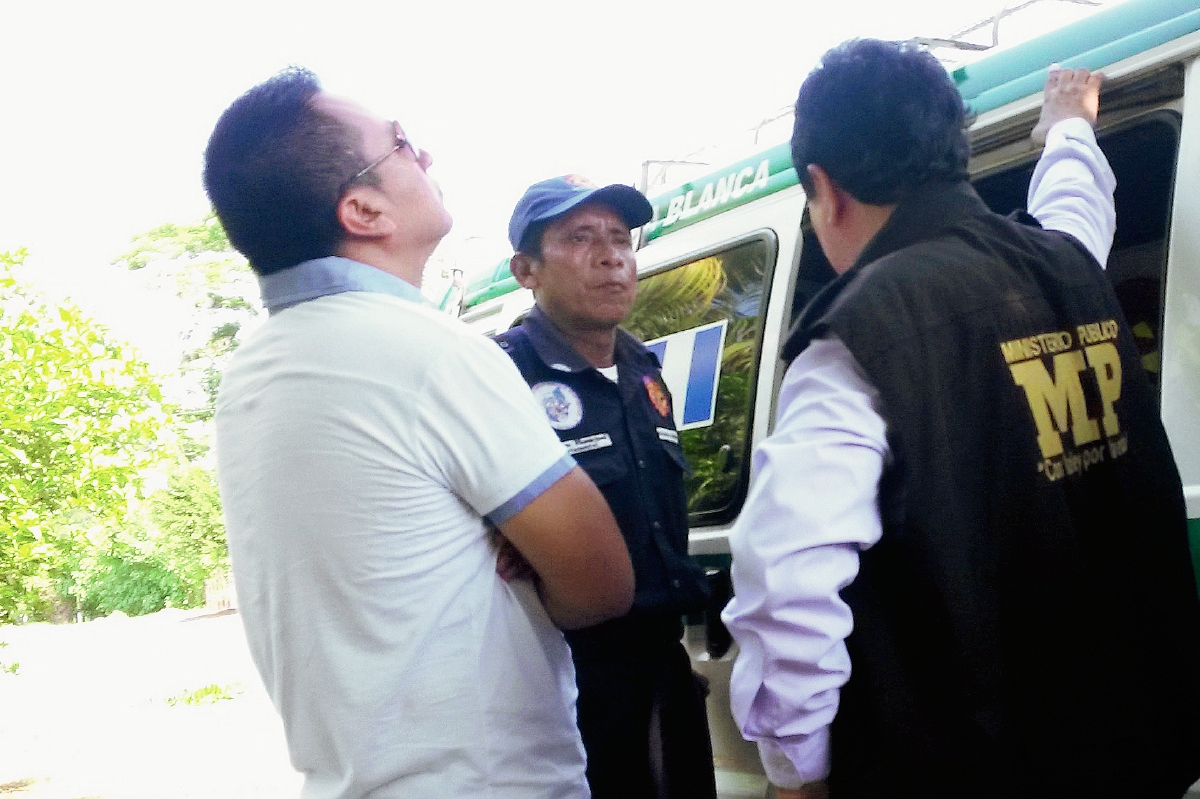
657 394
562 405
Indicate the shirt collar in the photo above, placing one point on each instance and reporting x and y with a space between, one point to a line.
321 277
556 352
923 214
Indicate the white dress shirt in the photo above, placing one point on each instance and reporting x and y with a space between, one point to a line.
812 505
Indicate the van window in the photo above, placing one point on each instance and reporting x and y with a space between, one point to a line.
703 318
1142 154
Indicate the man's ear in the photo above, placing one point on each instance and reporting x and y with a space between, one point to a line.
524 269
361 214
832 199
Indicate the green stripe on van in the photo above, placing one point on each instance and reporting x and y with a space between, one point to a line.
490 285
747 180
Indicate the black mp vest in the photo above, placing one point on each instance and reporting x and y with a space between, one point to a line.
1028 625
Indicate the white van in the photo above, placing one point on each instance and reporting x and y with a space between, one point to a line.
727 263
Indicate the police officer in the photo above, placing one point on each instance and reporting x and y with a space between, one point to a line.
962 569
641 708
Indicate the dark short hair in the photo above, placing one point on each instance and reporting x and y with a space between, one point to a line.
881 118
275 168
531 241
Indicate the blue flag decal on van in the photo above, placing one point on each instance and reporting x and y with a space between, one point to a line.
691 367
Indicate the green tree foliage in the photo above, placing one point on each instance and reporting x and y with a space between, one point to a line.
126 575
172 241
158 555
678 299
80 417
726 286
191 533
187 535
197 262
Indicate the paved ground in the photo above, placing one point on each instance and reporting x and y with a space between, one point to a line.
87 716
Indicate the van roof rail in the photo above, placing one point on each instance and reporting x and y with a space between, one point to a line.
1103 38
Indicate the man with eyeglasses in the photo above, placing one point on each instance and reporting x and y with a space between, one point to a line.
365 443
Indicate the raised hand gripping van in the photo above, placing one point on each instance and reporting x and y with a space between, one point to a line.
727 263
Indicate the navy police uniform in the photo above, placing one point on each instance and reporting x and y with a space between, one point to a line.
623 435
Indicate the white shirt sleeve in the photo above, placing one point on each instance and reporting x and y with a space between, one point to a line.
492 443
810 509
1072 188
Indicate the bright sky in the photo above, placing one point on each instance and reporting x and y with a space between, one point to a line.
107 106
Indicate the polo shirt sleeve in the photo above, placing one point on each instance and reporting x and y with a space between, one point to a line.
487 436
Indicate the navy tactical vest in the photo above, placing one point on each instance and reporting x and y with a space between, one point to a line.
623 435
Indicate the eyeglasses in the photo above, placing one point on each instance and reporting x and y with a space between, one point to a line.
401 143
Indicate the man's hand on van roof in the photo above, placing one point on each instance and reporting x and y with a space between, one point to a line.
1070 93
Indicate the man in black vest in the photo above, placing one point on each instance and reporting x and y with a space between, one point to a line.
641 711
962 569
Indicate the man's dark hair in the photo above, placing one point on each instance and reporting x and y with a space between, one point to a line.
531 241
881 118
275 168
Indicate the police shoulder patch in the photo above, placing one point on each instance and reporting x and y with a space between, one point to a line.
657 394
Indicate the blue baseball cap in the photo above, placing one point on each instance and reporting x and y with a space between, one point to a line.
556 196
